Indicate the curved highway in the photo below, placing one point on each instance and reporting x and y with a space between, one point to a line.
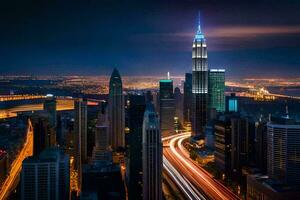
193 180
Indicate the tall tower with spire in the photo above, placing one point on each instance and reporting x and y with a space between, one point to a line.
200 83
116 111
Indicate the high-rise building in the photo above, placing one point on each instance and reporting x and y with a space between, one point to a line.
200 83
223 145
167 106
216 89
135 165
102 150
239 143
81 130
44 133
50 107
116 111
283 152
178 104
261 145
152 156
46 176
188 96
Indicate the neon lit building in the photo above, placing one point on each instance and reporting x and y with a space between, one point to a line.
200 83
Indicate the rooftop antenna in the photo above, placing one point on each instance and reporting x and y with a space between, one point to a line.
199 23
168 75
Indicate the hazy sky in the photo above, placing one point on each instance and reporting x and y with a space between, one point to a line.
247 38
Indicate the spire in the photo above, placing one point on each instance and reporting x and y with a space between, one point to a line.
287 111
199 24
199 35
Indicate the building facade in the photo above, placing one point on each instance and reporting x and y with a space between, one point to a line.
216 89
223 145
188 96
116 111
178 97
102 150
134 172
200 83
152 156
167 106
283 152
46 176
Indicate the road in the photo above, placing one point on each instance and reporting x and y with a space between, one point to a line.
192 179
16 166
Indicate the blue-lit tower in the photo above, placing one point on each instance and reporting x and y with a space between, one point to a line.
200 83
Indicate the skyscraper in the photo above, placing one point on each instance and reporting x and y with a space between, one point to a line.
102 149
116 111
261 145
216 89
44 133
178 97
240 136
81 129
50 107
135 165
152 156
188 96
166 106
80 138
223 145
46 176
283 152
200 83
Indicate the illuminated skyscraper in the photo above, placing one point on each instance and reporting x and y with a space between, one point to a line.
116 111
152 156
166 106
200 83
216 89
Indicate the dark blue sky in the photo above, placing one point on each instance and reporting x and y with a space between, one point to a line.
247 38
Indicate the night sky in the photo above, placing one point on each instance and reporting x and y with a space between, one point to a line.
49 37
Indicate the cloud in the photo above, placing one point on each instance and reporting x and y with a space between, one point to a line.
235 37
251 31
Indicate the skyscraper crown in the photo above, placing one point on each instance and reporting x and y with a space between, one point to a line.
199 35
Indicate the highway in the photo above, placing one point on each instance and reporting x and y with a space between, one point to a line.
16 166
192 179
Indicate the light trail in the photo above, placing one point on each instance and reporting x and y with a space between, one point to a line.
178 177
189 174
16 166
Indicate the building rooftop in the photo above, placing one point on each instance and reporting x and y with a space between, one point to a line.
165 80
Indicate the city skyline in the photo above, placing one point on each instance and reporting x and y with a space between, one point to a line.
152 38
191 109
